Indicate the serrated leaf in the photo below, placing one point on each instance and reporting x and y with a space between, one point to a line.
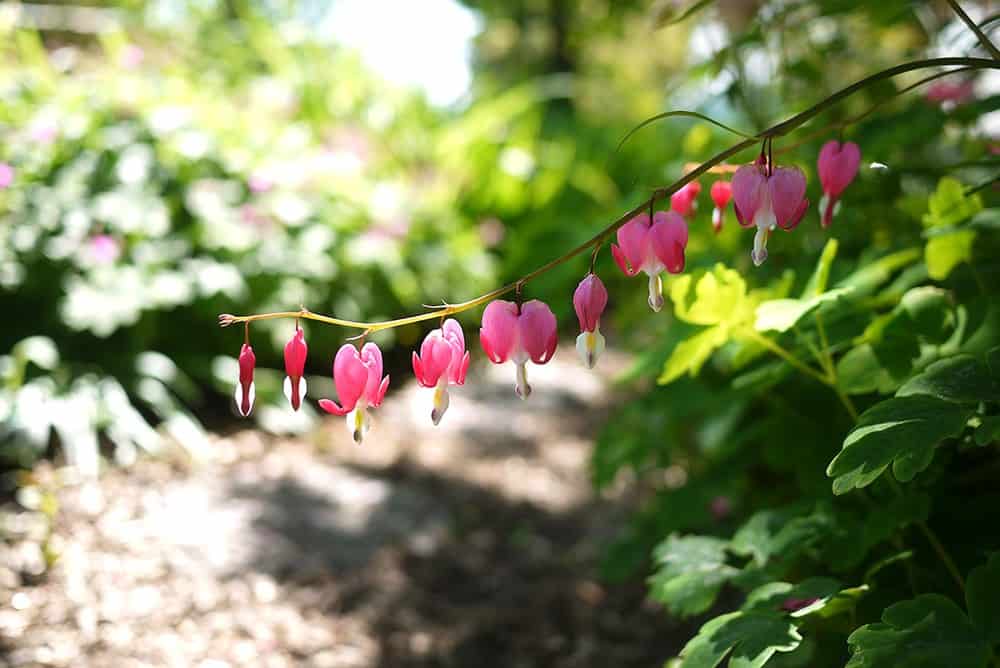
782 314
982 598
779 532
949 205
962 379
926 632
690 355
902 431
945 252
748 639
718 297
691 571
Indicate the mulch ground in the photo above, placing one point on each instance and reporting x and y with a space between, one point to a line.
472 544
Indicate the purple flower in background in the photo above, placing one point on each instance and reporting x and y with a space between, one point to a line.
721 508
104 249
6 175
796 604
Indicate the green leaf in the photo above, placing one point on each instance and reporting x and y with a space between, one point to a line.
902 431
962 379
690 355
928 311
873 274
860 371
749 639
691 571
945 252
782 314
989 430
949 205
982 598
821 275
926 632
669 14
719 297
779 532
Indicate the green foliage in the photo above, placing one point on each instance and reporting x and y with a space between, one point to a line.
691 571
927 631
747 639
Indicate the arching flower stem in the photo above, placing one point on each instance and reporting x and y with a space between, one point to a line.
599 239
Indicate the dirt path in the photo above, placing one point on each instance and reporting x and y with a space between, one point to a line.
473 544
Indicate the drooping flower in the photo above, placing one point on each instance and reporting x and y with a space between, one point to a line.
589 300
519 334
721 192
295 364
684 200
838 165
6 175
245 391
766 198
651 249
359 382
443 360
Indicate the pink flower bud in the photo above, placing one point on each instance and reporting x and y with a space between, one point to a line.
589 301
837 165
443 360
721 192
359 382
510 332
295 364
684 200
245 391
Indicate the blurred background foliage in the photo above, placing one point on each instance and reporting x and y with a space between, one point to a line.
174 160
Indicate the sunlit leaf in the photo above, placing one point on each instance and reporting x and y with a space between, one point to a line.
689 355
949 205
782 314
945 252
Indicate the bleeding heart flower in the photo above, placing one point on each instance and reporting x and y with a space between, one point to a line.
589 301
295 364
766 199
721 192
443 360
245 392
519 333
838 165
359 382
651 249
683 201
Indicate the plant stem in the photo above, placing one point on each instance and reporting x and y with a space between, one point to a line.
980 35
932 538
784 354
778 130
